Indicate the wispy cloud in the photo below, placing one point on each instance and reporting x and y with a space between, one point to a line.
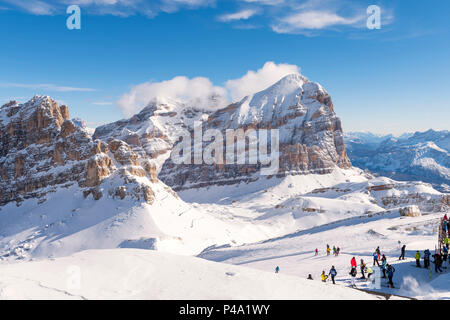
240 15
102 103
314 20
36 7
125 8
45 86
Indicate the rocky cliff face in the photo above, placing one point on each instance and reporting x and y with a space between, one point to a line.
41 149
152 132
310 135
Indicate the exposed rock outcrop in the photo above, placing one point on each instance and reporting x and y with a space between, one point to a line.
41 149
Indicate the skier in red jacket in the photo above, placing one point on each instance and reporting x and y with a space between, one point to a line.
353 262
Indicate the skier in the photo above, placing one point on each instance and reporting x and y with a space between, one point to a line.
417 256
334 250
328 250
377 250
402 255
316 252
426 258
353 262
383 266
369 272
337 251
362 266
277 269
324 277
437 263
332 273
390 272
310 277
353 274
444 257
375 259
445 217
446 241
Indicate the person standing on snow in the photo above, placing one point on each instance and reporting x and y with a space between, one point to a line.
323 276
377 250
390 273
353 262
332 273
337 251
444 257
383 266
328 250
417 256
375 259
310 277
316 252
446 241
402 254
353 276
277 269
437 263
426 258
369 272
362 266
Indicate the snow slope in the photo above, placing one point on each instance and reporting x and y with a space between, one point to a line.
356 237
142 274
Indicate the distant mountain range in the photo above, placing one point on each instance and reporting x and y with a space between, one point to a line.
420 156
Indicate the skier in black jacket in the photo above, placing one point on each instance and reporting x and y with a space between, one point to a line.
390 273
437 262
402 255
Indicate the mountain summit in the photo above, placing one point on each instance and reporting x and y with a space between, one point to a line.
310 135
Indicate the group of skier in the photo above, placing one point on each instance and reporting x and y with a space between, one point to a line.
440 261
336 250
387 269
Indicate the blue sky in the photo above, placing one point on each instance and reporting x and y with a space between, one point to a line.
392 80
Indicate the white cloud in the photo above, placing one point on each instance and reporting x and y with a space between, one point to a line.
254 81
124 8
240 15
35 7
314 20
266 2
46 86
200 92
102 103
317 20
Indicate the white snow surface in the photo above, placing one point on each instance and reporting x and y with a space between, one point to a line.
143 274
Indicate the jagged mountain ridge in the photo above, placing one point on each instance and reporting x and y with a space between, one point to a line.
423 156
310 135
154 130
